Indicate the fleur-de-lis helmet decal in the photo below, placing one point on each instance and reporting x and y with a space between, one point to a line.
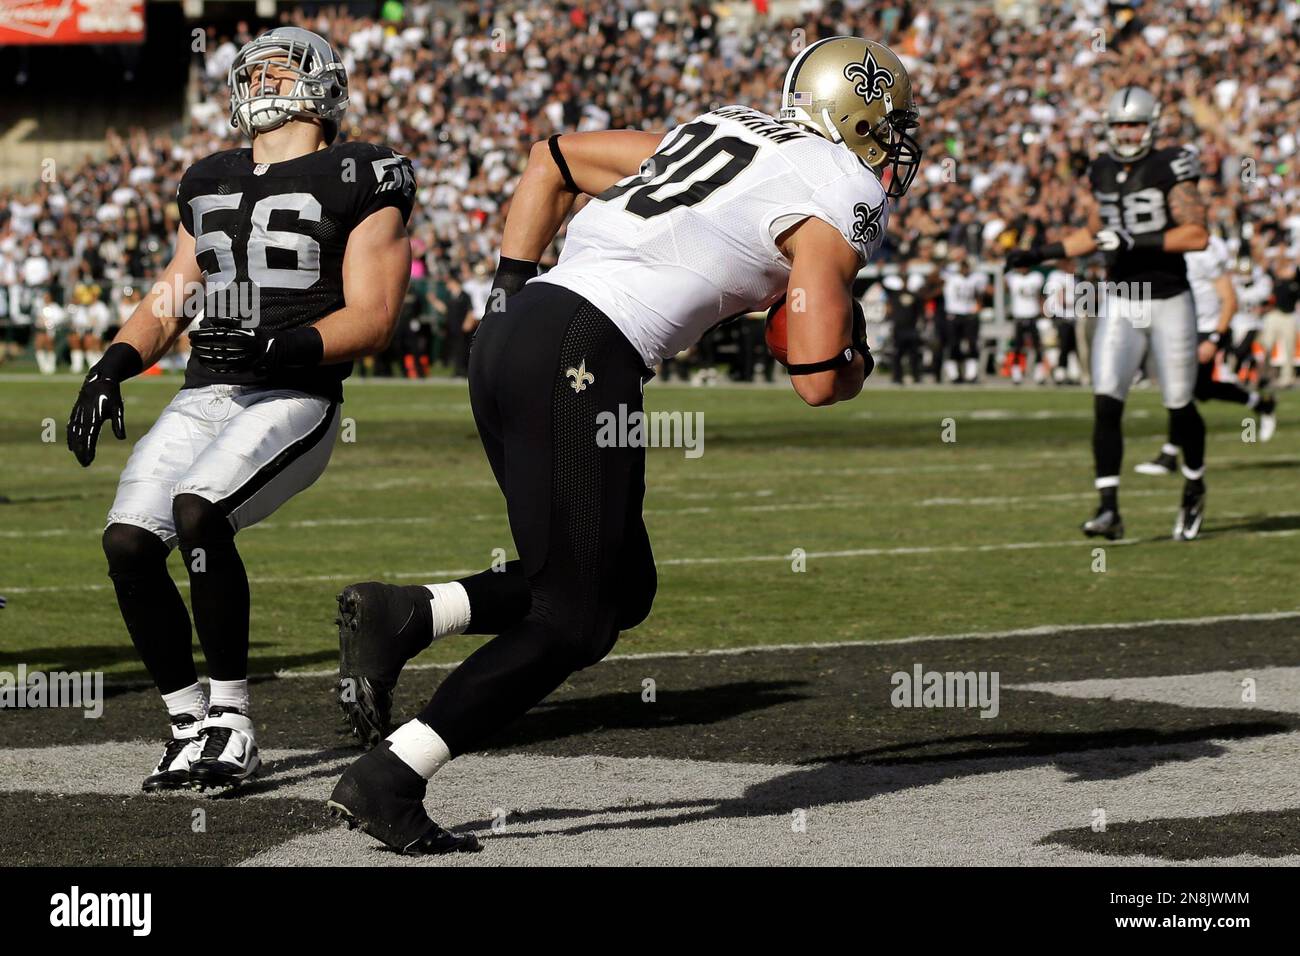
857 93
870 80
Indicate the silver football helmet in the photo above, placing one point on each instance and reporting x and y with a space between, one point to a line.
320 88
1131 105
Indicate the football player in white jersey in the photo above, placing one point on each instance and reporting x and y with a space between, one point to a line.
726 214
1215 298
1068 364
1026 289
964 289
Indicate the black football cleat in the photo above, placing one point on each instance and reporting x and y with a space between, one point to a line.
1163 464
381 627
385 798
1192 511
179 756
1106 523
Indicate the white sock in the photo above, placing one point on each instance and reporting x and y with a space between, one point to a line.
78 360
1253 400
1168 449
1193 474
1107 481
187 700
418 746
228 693
46 362
450 606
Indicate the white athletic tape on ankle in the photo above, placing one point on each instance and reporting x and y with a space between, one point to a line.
450 606
187 700
418 746
228 693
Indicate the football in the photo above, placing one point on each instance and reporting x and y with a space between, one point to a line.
775 333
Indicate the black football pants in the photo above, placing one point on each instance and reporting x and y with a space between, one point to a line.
540 374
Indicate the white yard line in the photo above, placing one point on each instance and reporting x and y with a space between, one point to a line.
444 573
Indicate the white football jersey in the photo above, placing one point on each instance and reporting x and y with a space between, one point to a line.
1026 290
1058 292
961 291
1204 269
691 240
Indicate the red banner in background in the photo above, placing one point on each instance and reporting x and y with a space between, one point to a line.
71 21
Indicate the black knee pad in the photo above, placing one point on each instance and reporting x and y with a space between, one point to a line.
131 550
199 520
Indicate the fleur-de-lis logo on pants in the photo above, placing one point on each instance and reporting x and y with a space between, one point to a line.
581 377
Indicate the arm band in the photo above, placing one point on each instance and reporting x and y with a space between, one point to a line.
120 362
1150 240
809 368
1053 250
511 275
299 348
569 184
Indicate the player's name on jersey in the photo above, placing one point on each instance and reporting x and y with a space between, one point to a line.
761 124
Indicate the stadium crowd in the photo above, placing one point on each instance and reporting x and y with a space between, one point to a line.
1011 116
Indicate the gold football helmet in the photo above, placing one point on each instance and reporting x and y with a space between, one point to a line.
857 93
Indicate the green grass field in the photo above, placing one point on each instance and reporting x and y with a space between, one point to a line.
904 533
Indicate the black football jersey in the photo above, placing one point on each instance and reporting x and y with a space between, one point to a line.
1135 197
270 238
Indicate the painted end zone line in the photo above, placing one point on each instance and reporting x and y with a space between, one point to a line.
1044 630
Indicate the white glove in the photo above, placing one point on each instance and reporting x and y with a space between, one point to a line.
1112 240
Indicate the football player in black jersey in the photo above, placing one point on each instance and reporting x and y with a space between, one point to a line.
295 252
1144 213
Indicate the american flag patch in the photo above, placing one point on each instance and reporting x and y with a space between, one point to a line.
801 99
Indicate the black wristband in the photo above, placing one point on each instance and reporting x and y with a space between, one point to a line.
120 362
1150 240
1053 250
512 274
554 144
810 368
298 348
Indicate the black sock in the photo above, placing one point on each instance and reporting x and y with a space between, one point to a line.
1188 429
218 585
152 608
1107 436
1110 497
497 599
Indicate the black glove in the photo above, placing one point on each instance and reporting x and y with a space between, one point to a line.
100 400
230 349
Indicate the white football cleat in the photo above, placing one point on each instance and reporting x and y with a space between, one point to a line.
229 756
173 769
